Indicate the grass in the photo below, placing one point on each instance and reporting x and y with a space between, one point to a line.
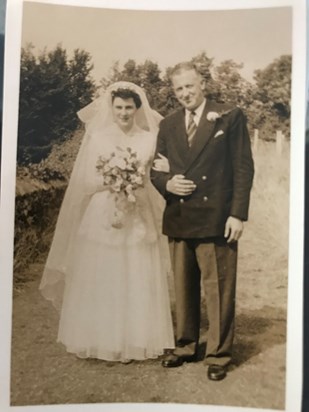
264 245
270 195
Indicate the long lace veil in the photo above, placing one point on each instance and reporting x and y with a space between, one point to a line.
97 117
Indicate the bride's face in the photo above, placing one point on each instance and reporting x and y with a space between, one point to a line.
124 112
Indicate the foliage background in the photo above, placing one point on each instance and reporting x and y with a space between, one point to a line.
53 87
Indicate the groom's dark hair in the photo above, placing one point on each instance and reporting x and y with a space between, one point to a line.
127 94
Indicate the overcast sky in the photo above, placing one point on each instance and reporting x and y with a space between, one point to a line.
253 37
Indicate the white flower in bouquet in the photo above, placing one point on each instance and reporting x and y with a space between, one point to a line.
107 180
106 168
141 170
139 180
130 163
117 185
129 188
136 179
131 198
117 162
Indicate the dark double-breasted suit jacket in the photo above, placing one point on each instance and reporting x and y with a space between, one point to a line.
219 162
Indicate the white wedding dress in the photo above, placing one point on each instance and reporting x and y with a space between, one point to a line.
115 304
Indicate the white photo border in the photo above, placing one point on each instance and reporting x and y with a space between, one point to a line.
295 279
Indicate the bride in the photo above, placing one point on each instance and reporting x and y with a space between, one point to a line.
107 267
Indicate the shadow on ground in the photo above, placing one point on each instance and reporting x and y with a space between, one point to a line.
255 332
43 373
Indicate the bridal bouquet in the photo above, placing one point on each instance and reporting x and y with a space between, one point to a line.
122 174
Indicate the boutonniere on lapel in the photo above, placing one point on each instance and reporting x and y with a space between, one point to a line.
219 133
214 116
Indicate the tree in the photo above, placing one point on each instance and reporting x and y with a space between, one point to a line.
273 90
146 75
82 84
205 66
129 73
52 90
150 77
274 85
232 86
266 102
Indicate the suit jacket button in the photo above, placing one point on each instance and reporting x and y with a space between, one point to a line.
205 198
181 200
204 177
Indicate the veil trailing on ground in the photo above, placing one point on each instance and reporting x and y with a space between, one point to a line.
99 127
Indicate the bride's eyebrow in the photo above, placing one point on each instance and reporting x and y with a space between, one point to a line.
127 106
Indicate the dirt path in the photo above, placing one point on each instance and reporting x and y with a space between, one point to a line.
43 373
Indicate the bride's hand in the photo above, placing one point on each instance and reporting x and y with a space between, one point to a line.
161 164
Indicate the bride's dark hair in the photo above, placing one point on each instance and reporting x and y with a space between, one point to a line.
127 94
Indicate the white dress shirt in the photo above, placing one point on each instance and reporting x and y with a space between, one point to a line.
198 114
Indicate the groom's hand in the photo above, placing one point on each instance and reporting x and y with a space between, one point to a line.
179 185
233 229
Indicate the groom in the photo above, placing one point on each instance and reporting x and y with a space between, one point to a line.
207 191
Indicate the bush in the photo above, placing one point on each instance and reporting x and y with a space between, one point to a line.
52 89
35 219
39 192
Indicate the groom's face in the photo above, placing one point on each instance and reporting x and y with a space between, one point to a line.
189 88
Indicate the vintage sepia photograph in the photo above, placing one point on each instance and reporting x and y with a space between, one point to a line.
152 207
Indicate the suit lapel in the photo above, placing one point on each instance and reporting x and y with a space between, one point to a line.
181 140
203 134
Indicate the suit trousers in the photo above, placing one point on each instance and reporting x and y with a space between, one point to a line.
214 263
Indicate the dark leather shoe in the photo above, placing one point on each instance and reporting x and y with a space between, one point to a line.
216 372
173 361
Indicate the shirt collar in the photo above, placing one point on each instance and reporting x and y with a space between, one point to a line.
198 111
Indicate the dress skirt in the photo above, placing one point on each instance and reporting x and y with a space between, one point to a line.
116 302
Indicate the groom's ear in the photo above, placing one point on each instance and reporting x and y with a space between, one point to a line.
203 84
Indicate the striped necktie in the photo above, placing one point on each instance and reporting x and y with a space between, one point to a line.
191 129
